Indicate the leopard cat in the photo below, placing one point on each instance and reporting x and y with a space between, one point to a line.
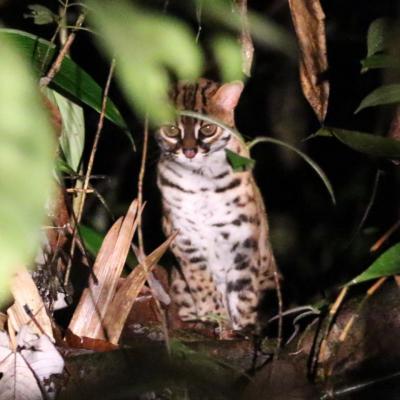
222 246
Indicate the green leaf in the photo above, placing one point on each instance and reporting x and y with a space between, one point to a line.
387 94
379 61
373 145
387 264
41 15
147 47
238 162
264 31
228 55
27 151
92 241
72 139
71 79
305 157
377 36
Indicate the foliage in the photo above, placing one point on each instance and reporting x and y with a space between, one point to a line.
385 265
26 161
142 41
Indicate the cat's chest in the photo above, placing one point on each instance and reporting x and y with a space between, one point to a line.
209 202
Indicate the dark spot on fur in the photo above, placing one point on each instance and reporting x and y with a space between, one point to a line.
219 224
234 247
196 259
231 185
222 175
238 285
250 243
225 235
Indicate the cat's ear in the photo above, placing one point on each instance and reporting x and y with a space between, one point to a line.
227 96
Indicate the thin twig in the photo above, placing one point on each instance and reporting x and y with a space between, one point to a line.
377 245
140 183
89 169
280 312
45 81
141 252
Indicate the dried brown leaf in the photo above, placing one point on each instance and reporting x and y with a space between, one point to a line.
88 319
245 38
28 308
309 23
122 303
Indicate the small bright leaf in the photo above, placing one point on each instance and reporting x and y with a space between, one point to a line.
377 36
147 47
373 145
238 162
386 265
41 15
305 157
71 78
387 94
229 58
26 162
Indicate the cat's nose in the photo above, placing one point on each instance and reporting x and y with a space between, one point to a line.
190 152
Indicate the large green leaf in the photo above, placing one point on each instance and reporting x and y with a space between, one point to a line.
71 79
147 47
373 145
387 94
305 157
27 150
387 264
377 36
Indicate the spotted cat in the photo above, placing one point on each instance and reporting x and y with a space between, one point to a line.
223 249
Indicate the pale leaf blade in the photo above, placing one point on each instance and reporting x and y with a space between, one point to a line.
122 303
87 320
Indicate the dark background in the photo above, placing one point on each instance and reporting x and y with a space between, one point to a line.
317 245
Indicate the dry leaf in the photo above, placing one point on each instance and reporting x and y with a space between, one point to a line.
118 311
28 308
25 373
245 38
88 317
309 23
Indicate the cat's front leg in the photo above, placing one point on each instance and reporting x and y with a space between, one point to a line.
242 291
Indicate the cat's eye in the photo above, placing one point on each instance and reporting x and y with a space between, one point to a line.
208 130
171 130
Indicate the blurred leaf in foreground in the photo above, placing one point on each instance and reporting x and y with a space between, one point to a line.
26 162
147 47
228 55
71 79
387 264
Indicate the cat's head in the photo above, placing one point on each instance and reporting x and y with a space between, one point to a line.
190 138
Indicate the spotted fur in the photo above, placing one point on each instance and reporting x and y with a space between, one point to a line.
222 246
